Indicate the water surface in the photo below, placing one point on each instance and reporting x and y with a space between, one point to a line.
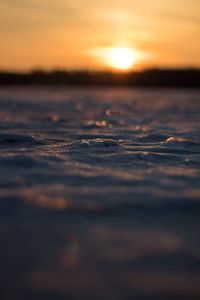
99 194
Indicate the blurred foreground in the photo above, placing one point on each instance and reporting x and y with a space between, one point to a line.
100 195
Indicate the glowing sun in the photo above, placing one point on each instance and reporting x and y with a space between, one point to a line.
121 58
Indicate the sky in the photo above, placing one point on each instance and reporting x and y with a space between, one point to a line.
77 34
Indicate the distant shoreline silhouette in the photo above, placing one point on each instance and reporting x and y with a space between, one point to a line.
187 78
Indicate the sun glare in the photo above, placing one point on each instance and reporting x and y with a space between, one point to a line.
121 58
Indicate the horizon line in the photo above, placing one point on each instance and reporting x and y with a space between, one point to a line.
86 70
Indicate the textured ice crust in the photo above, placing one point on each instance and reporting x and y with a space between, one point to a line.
99 194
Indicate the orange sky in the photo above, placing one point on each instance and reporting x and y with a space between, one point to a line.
75 34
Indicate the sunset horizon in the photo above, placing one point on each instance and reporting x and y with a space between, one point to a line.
67 35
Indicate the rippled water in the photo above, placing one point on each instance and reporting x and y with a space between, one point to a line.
100 194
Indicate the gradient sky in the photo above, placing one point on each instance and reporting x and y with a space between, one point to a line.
73 34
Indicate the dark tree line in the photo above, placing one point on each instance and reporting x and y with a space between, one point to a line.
148 78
